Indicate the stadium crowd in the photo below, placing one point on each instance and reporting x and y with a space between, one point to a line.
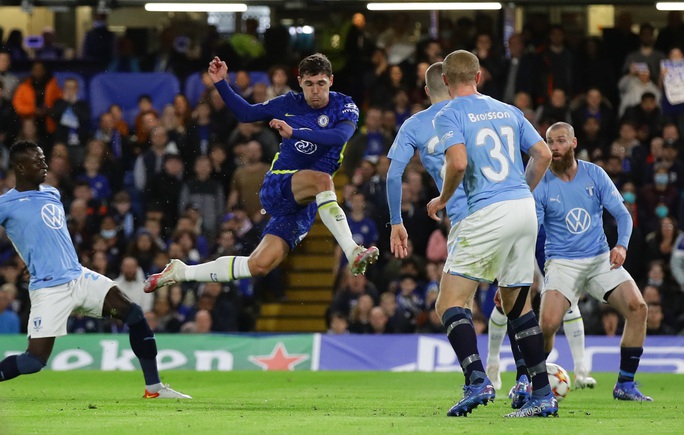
183 182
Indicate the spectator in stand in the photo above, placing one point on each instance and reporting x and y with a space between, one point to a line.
646 116
177 298
556 64
163 189
520 70
591 58
9 123
339 324
397 322
352 289
35 96
222 167
175 130
72 119
144 107
108 134
124 58
359 317
247 181
207 193
151 161
144 249
660 243
654 321
171 56
363 229
436 250
368 142
130 282
14 45
492 66
122 214
119 123
594 106
9 80
245 132
555 109
50 50
409 301
523 101
672 112
378 321
634 85
98 181
222 119
383 91
658 199
279 79
98 43
200 134
645 54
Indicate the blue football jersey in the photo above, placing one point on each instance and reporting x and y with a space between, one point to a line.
418 133
494 133
572 212
36 225
298 154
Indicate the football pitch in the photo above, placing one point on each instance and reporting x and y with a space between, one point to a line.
93 402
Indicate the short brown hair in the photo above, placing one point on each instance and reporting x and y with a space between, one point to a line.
315 64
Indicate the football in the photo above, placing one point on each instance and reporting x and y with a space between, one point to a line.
559 380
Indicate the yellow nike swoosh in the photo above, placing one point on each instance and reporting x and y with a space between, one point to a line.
289 114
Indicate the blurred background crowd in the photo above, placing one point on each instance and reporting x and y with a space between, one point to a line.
182 181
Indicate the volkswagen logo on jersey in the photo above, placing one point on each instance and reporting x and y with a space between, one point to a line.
578 221
53 216
305 147
323 120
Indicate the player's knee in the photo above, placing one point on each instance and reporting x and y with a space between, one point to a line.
259 266
135 315
549 325
28 363
637 309
323 182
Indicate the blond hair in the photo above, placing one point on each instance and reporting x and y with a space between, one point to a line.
461 67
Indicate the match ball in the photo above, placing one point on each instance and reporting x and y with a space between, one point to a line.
559 380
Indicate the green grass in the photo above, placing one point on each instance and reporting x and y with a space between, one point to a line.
93 402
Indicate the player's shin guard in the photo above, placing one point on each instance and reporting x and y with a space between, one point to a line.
143 343
629 363
461 334
223 269
520 366
22 364
574 332
335 220
530 341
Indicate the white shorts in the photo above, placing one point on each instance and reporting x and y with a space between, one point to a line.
593 275
496 242
52 306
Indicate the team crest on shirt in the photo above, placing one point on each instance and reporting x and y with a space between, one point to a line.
323 121
53 216
37 323
305 147
590 190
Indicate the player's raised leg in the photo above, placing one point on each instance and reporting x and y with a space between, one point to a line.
627 299
31 361
142 341
309 186
455 292
573 326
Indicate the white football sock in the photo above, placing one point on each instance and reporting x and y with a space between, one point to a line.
223 269
574 332
498 325
334 218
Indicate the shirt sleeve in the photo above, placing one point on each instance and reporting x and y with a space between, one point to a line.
404 146
448 128
242 110
335 136
394 174
612 201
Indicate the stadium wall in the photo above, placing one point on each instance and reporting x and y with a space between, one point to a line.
410 352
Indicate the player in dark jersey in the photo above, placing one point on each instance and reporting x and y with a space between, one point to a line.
314 125
33 216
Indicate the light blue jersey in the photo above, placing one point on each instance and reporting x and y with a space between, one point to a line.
36 225
418 133
494 133
572 213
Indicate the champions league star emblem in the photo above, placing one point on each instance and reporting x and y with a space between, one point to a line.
323 120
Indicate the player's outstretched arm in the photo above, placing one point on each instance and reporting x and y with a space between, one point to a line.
538 164
243 111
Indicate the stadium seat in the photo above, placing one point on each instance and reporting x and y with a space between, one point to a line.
125 88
